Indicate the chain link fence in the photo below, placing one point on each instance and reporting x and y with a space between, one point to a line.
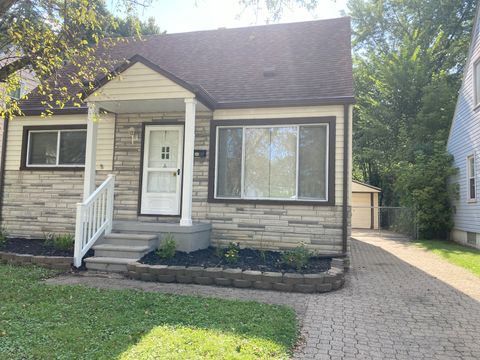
400 220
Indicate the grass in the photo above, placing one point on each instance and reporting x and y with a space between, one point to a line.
454 253
39 321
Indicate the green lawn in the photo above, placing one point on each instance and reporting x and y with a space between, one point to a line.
39 321
463 256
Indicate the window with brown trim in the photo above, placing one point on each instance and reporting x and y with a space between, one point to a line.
54 147
269 161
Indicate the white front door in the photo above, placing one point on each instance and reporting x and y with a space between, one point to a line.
162 168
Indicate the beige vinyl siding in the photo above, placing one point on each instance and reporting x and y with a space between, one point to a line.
140 82
295 112
106 130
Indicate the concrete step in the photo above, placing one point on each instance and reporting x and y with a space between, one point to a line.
121 251
149 240
109 264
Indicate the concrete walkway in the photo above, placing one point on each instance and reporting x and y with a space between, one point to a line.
388 309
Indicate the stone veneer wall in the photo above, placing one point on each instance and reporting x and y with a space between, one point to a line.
40 202
264 226
37 202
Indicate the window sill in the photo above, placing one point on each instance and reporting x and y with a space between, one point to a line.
471 201
273 202
52 168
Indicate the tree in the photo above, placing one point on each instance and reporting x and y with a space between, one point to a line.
408 65
46 36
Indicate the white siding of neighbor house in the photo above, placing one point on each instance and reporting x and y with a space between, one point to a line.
105 140
139 82
464 140
295 112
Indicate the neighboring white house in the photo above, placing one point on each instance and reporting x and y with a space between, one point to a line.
464 145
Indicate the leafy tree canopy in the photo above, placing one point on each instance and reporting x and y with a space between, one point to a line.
42 36
409 57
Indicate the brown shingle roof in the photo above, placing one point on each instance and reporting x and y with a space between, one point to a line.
310 61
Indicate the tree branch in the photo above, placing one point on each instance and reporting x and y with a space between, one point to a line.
13 67
5 5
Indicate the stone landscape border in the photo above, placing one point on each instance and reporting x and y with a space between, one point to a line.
50 262
332 279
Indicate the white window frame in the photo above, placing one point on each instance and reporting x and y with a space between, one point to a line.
21 88
476 91
242 181
57 158
469 158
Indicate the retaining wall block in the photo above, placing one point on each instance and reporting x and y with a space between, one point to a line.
252 275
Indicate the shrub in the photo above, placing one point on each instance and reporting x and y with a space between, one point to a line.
63 242
297 257
168 247
3 237
231 253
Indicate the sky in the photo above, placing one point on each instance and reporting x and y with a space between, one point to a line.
190 15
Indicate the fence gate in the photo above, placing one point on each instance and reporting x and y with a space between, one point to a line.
390 218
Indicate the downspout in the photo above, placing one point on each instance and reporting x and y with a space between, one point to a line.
346 141
6 121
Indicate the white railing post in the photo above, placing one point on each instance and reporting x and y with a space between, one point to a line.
79 234
94 218
109 210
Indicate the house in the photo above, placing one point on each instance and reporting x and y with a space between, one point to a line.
230 135
365 206
464 145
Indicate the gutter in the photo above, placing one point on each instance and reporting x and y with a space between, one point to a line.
2 164
346 141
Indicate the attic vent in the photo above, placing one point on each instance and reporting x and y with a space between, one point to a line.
269 71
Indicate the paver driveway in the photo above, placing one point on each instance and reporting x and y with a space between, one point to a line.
388 309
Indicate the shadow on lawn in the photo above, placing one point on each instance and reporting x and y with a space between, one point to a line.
44 321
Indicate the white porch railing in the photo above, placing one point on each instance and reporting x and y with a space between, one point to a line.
94 217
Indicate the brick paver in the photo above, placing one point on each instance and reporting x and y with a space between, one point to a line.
388 309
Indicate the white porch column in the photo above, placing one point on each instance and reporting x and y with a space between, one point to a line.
186 219
91 151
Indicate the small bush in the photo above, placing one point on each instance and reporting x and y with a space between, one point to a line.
3 238
231 253
167 248
63 242
297 257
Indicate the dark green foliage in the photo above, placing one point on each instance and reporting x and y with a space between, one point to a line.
408 68
62 242
297 257
231 253
426 189
3 238
168 247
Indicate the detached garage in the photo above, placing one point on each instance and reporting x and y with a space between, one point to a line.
365 211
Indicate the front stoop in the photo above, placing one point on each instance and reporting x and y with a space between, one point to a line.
114 251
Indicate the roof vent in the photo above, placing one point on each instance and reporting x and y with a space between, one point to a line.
269 71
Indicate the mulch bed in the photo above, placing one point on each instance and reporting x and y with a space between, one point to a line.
248 259
35 247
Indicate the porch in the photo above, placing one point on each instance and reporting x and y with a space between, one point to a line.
163 169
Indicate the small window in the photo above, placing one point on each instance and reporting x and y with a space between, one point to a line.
476 76
56 148
17 93
279 162
471 178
